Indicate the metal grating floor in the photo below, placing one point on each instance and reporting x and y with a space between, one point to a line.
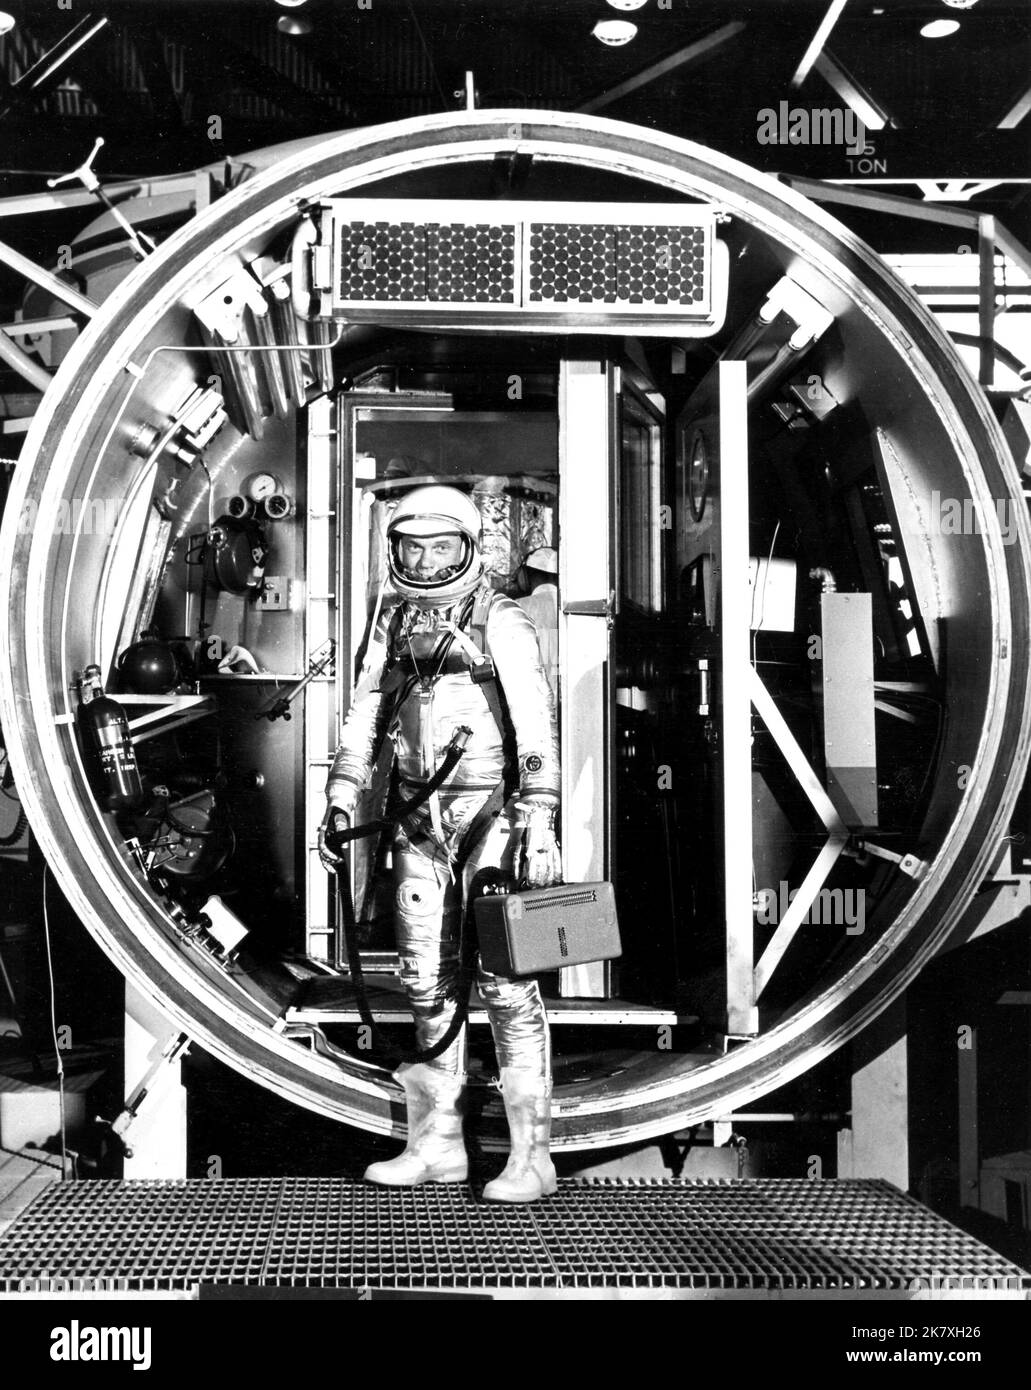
761 1234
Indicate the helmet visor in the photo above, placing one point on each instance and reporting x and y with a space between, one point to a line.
415 577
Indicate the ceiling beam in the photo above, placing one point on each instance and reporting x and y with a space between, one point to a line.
815 48
1017 111
872 115
692 53
49 70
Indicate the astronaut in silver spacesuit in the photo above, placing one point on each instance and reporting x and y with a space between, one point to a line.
428 671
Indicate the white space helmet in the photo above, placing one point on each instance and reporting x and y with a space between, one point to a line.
436 511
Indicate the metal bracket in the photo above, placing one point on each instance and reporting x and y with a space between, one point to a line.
907 863
174 1050
811 318
222 310
201 416
591 607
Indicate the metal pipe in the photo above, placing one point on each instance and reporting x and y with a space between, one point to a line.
24 327
777 368
286 326
321 357
23 364
986 298
272 363
241 373
745 339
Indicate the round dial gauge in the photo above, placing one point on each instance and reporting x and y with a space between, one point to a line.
261 485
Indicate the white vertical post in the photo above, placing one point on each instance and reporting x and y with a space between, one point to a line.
735 702
585 584
969 1129
157 1136
880 1100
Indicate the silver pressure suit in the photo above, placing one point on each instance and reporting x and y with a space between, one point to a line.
420 715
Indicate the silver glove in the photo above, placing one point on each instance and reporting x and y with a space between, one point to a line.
339 816
541 865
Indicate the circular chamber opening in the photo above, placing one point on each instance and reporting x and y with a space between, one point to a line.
709 434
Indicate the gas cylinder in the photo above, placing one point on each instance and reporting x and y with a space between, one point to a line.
105 732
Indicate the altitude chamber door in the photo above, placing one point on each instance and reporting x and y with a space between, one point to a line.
389 444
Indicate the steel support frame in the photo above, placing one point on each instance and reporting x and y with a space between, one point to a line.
991 238
830 851
47 280
816 44
873 116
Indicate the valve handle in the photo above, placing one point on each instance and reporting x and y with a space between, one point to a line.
84 172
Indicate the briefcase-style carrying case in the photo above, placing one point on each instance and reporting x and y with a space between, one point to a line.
541 929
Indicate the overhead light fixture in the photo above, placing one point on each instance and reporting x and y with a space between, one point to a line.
628 4
291 4
7 22
961 4
939 28
614 32
289 24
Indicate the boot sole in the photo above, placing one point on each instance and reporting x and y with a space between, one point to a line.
445 1177
547 1190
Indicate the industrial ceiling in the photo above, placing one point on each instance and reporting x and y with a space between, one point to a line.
150 74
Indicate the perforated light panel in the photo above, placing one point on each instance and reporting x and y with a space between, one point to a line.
617 265
439 263
527 262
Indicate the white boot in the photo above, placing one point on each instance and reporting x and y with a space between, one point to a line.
529 1173
435 1151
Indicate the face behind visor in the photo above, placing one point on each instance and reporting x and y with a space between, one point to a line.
432 559
430 513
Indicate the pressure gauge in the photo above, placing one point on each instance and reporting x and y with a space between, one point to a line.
258 486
